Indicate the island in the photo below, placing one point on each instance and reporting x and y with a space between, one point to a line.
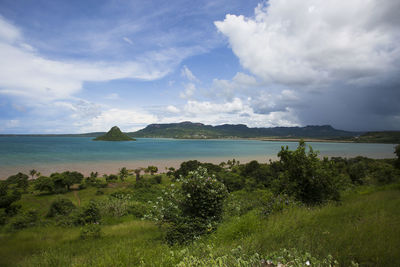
114 134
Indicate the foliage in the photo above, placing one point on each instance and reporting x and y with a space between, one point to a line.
305 177
151 169
397 152
60 207
203 195
111 177
114 134
89 214
7 196
91 231
23 220
123 173
44 184
20 180
238 257
191 210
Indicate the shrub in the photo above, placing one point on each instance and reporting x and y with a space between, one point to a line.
20 180
191 210
24 220
89 214
384 173
156 179
203 195
99 192
60 207
137 209
111 177
305 177
44 184
91 231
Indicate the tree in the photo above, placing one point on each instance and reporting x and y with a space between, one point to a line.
19 179
44 184
305 177
33 172
137 173
123 173
397 152
151 169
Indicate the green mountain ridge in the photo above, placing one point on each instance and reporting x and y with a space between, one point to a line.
191 130
114 134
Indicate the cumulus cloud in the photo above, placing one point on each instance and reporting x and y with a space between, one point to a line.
306 41
319 51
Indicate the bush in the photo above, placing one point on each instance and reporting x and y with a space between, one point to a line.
305 177
89 214
111 177
384 173
60 207
203 195
192 210
156 179
24 220
90 231
137 209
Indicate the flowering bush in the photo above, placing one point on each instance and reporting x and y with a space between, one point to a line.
192 209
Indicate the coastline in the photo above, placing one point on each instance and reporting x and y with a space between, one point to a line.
112 167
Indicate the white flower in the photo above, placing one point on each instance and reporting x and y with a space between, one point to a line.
308 263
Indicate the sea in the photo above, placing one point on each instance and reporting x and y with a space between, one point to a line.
22 152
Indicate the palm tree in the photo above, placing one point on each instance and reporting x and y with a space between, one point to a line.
137 172
33 172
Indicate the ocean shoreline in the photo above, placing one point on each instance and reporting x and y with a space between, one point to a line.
112 167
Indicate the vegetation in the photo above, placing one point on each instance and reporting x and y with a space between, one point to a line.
298 211
199 130
389 137
114 134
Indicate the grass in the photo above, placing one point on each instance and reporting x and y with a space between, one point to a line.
364 228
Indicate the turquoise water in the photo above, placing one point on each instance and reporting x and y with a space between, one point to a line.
25 151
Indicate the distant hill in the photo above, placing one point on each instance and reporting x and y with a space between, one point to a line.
191 130
389 137
114 134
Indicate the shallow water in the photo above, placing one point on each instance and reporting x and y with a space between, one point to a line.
22 151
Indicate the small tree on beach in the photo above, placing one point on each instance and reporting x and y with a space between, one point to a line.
137 173
123 173
151 169
33 172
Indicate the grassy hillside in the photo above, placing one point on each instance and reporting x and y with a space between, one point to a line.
389 137
365 228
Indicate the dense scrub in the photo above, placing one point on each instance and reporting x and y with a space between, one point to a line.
298 210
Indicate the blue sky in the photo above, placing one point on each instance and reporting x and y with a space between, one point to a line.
83 66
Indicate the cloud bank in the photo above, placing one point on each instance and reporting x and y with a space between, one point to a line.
329 61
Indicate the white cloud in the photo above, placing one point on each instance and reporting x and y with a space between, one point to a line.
206 107
126 39
308 41
190 89
112 96
172 109
25 73
187 73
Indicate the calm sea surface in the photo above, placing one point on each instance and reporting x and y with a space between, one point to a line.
25 151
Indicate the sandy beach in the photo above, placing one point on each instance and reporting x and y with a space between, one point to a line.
109 167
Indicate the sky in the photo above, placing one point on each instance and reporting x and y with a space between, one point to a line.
82 66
